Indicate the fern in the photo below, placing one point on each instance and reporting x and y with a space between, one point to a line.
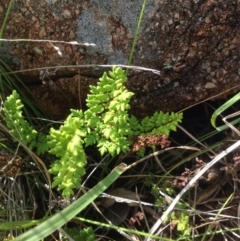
67 144
106 123
21 130
108 113
160 123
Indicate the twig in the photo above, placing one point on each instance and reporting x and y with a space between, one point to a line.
157 225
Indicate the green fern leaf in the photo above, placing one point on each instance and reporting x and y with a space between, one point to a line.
21 130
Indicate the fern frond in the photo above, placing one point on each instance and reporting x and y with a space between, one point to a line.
108 115
21 130
106 123
160 123
67 144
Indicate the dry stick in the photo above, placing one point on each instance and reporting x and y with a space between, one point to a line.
229 124
47 40
160 163
34 156
138 68
194 207
212 213
38 162
159 152
191 182
142 210
213 189
238 214
195 139
212 97
11 161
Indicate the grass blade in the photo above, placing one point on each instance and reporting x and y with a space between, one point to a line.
5 19
56 221
222 108
136 33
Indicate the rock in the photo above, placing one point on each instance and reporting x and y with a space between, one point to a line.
195 45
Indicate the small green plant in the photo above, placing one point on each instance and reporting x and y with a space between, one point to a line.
86 234
106 124
21 130
179 219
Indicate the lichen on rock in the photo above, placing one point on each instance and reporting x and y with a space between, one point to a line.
111 25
